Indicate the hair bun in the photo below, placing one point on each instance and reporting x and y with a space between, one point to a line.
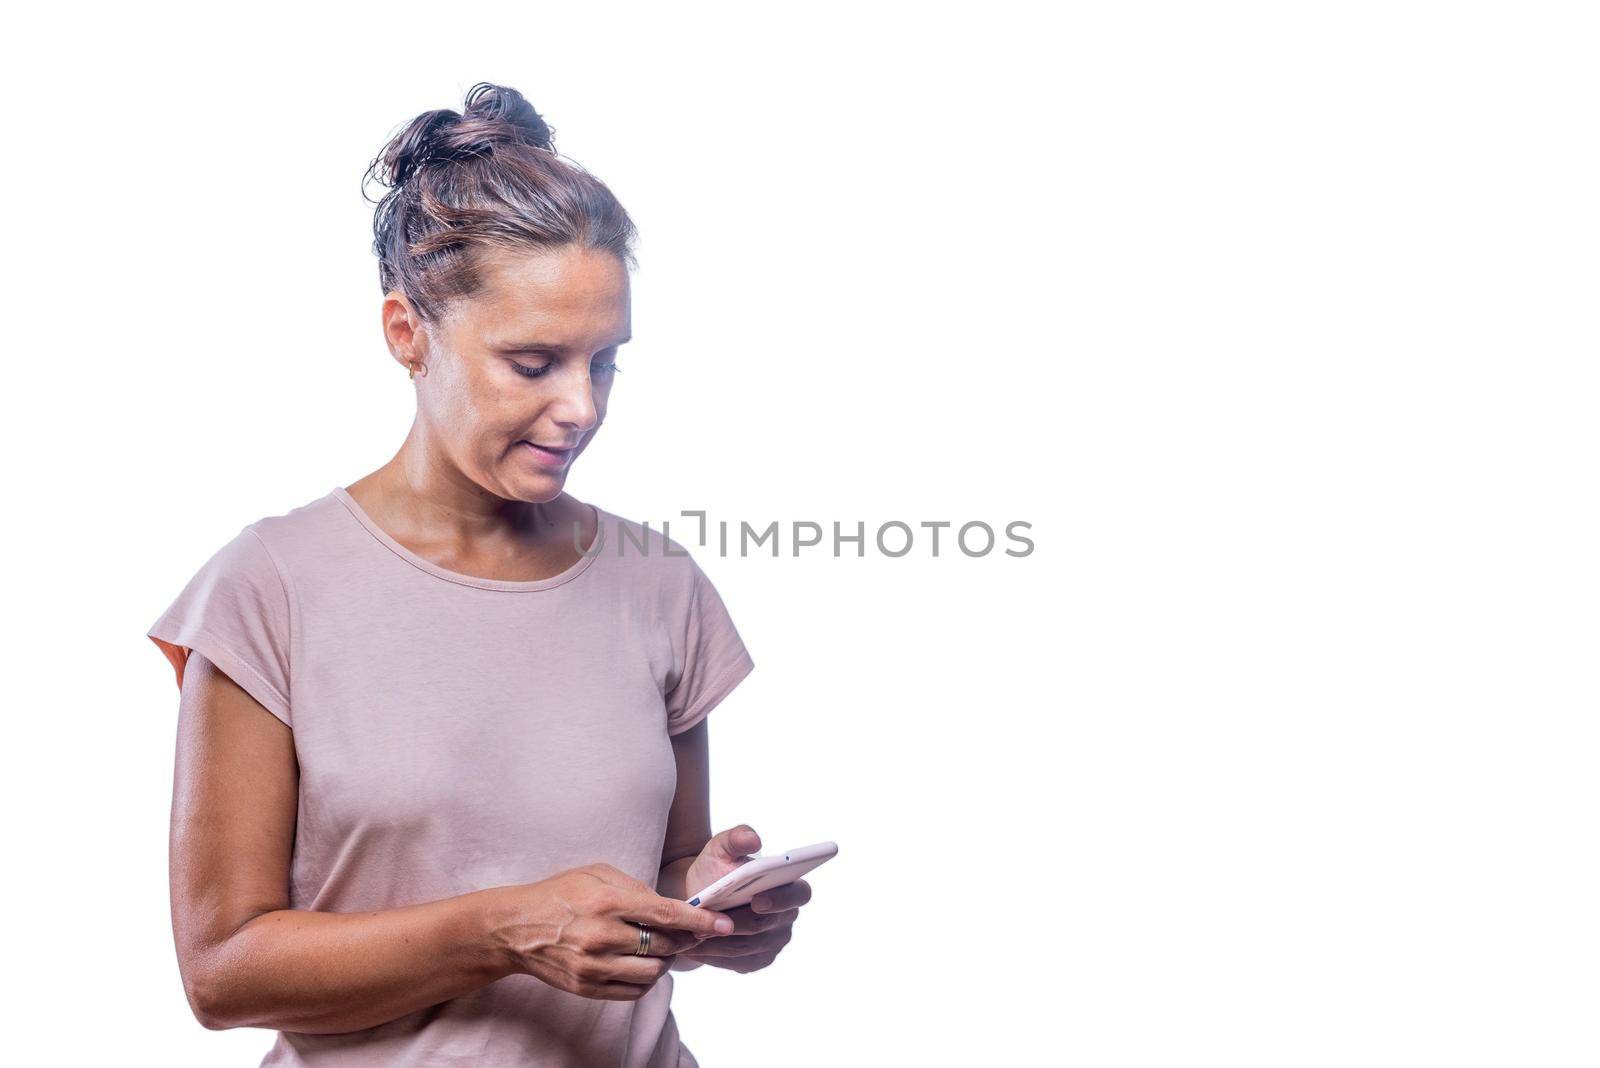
495 115
500 104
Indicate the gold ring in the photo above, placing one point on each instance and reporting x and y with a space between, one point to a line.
644 941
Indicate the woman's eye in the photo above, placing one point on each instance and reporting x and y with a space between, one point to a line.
534 372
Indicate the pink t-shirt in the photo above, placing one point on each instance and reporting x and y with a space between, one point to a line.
456 733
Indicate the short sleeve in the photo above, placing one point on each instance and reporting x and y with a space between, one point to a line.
235 610
713 660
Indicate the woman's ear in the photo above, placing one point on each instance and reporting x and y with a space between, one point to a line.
403 330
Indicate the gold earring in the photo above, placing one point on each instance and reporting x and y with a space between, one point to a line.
414 370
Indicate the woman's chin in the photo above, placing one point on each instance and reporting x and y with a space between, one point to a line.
536 487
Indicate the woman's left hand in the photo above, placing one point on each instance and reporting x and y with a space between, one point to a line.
763 927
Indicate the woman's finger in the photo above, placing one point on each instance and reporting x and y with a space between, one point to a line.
767 921
637 971
729 946
663 942
746 920
743 945
780 898
618 991
670 912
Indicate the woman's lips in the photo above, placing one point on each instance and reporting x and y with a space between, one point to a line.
546 457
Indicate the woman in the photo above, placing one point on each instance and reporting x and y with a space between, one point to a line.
442 770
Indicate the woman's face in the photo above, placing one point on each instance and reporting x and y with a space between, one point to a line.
517 377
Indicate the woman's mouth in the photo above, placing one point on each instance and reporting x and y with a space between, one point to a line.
546 457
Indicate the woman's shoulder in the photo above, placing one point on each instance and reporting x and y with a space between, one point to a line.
648 548
304 529
309 514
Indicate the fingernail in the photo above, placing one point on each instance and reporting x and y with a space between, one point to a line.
724 925
762 902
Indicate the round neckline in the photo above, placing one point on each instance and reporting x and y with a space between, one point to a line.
422 563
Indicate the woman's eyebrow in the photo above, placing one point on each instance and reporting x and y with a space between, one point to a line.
548 346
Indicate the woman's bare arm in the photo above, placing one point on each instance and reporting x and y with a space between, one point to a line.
689 819
246 958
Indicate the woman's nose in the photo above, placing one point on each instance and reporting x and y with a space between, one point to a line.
576 405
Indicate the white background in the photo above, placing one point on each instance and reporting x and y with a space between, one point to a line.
1276 321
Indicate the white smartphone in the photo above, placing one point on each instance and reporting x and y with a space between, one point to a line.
762 872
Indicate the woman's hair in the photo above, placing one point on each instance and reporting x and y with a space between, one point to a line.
488 177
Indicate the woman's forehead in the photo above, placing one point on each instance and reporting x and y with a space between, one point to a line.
568 272
581 292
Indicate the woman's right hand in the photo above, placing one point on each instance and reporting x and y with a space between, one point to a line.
578 931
